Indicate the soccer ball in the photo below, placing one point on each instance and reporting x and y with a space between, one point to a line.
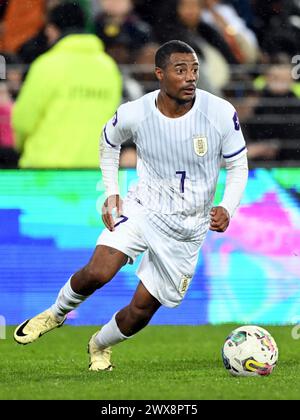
250 351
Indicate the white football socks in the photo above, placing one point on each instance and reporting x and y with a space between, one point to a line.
109 335
66 301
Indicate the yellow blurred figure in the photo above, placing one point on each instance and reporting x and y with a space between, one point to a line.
68 95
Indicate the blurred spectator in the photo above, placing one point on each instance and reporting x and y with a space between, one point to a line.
132 89
144 74
21 20
277 59
144 69
245 10
267 13
159 14
8 155
241 40
275 124
95 7
6 105
87 7
214 54
68 95
278 26
188 23
33 48
14 74
39 44
121 30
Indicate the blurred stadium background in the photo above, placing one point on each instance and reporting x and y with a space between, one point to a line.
49 212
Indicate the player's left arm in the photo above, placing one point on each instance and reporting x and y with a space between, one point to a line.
235 155
236 181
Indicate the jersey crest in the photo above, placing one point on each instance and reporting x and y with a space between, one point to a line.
184 284
200 145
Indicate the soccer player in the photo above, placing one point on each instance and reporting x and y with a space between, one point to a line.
181 134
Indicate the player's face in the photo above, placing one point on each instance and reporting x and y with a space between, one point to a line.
179 78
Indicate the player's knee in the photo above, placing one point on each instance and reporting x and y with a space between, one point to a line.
140 314
97 276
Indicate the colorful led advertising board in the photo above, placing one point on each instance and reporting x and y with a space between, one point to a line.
49 224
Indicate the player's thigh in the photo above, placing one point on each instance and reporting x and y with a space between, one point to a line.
127 236
167 269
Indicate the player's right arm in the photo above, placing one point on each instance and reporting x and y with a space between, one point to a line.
115 132
234 151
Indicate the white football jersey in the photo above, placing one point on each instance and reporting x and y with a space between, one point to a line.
178 158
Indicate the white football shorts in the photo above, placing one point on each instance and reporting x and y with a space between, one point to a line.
167 266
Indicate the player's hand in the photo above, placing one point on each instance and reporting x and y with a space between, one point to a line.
220 219
111 203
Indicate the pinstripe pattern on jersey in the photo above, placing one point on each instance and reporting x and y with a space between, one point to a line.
166 146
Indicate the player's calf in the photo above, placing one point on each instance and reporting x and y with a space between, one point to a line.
133 318
138 313
123 325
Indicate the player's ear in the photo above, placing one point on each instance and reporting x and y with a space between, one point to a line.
159 73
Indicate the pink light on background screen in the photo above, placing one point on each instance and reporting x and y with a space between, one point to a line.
265 228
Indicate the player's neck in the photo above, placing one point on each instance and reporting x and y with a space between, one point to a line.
172 108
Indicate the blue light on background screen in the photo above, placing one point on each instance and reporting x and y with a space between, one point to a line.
49 225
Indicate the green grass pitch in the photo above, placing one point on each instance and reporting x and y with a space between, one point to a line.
161 362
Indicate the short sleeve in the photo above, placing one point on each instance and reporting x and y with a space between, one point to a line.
233 142
118 129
